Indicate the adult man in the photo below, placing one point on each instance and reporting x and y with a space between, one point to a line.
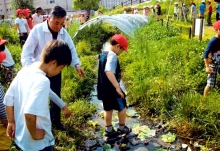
39 36
37 17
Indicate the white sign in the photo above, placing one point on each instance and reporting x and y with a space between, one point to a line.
197 27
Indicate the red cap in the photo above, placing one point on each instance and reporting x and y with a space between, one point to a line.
216 25
2 41
2 56
121 40
28 10
124 8
18 11
25 13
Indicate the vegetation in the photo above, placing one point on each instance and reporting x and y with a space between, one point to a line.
22 4
86 4
164 76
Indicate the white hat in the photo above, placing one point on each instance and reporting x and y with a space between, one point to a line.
176 3
145 7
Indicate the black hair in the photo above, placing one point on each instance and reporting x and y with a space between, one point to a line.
2 47
113 42
39 9
57 50
58 11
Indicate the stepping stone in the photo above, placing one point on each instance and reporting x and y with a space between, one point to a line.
141 149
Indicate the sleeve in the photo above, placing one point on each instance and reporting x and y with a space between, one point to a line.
38 101
56 99
111 63
29 48
16 21
2 107
10 94
208 49
75 58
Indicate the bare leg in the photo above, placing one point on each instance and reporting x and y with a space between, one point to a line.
108 117
122 116
206 90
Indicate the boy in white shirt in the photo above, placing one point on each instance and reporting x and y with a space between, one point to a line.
26 100
37 17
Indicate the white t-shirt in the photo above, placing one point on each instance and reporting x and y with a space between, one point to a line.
29 93
111 63
135 11
21 22
37 19
8 62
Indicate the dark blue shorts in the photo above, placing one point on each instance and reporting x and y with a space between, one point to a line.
114 104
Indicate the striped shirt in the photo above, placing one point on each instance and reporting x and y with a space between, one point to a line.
3 115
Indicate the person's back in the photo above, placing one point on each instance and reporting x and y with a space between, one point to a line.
28 96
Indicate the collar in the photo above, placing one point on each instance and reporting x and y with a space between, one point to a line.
46 29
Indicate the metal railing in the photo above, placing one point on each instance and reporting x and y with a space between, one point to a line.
131 2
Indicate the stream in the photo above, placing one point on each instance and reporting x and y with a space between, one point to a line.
151 143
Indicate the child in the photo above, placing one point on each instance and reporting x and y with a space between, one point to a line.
209 20
26 100
212 59
5 142
109 91
7 65
202 8
22 26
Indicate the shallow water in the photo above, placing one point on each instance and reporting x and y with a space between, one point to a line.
149 144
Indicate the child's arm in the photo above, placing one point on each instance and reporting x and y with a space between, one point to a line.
36 134
11 123
114 82
59 103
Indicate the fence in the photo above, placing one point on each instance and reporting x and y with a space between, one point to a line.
131 2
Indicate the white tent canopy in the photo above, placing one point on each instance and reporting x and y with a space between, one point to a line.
127 23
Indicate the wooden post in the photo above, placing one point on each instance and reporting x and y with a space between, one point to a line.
131 2
139 1
193 27
201 29
121 4
190 32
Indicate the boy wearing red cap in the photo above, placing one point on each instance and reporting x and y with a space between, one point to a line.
108 87
212 59
29 19
5 142
22 26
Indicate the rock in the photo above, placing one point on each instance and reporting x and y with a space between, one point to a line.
133 141
141 149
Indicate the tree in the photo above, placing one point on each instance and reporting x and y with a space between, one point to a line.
86 5
22 4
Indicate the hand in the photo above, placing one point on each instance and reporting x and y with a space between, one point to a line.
80 71
67 112
208 70
40 133
120 93
21 34
10 132
5 123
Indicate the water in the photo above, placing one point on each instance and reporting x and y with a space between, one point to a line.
148 144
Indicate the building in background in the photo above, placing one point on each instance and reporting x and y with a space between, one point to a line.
47 5
110 3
